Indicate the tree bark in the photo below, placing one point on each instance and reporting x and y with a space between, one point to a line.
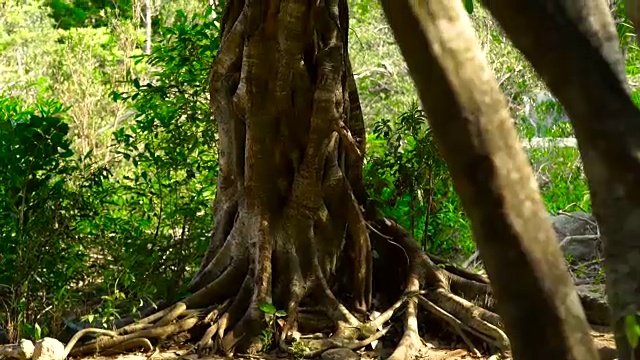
633 13
147 26
586 73
470 121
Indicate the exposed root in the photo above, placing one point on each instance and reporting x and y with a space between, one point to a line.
176 311
138 343
237 317
323 344
441 288
333 307
481 320
214 318
410 343
348 139
458 298
206 342
215 267
143 323
466 274
105 343
386 315
456 324
217 256
214 312
221 288
290 327
238 320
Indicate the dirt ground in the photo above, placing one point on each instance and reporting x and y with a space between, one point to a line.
433 351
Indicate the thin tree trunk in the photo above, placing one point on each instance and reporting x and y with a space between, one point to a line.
633 13
147 26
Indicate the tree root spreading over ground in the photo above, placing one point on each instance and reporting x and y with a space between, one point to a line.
234 322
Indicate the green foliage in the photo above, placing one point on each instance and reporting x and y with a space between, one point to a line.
632 329
79 67
468 5
409 181
271 317
26 38
157 211
384 85
121 230
39 254
627 37
635 97
93 13
561 178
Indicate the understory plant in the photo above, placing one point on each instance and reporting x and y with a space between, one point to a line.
41 254
409 181
158 212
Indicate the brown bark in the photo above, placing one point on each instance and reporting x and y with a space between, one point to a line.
586 73
470 121
633 13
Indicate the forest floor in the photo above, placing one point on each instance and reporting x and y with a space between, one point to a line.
440 343
434 350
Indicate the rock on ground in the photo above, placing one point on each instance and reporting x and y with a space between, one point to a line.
577 224
48 349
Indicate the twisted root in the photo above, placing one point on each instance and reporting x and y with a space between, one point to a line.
235 321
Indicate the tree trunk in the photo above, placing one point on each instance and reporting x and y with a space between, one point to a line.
147 26
290 225
470 121
586 73
633 13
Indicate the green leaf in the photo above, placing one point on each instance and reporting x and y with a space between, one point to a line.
281 313
632 330
267 308
468 5
38 332
116 96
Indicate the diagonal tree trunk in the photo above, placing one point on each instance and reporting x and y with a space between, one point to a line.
290 225
470 121
586 73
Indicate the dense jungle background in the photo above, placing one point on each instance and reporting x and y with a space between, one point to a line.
108 151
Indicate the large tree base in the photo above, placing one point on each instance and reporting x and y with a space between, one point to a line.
223 316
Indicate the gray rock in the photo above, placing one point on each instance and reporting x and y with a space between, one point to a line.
577 224
594 302
339 354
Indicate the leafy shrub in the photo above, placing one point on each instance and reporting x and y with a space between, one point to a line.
558 168
158 213
410 182
78 13
118 231
39 252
